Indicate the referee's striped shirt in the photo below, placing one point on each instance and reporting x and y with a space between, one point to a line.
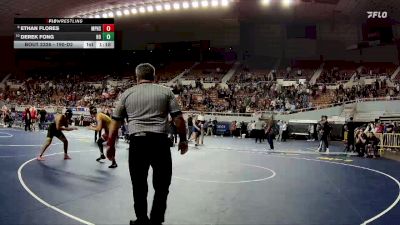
146 106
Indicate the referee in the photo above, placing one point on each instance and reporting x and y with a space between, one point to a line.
146 107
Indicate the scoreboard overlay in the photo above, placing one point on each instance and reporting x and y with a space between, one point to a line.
64 33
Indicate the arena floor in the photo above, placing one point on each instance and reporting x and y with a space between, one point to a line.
226 181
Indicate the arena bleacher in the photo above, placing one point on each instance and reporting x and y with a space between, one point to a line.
208 72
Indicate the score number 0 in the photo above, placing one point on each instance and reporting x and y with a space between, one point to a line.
108 32
108 27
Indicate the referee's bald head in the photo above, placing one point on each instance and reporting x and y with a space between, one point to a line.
145 71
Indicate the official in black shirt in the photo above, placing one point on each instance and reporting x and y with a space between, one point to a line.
147 106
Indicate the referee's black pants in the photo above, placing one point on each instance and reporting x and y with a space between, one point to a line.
146 151
259 134
27 125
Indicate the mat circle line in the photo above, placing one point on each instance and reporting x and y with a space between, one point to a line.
397 200
233 182
21 180
28 145
8 135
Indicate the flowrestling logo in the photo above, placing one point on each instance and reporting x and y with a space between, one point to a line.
377 14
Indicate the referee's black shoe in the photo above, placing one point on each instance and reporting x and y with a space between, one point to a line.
155 223
139 222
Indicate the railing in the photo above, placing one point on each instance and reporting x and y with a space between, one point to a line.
389 140
297 110
333 84
220 113
249 114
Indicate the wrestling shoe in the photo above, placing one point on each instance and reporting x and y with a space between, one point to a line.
100 158
113 165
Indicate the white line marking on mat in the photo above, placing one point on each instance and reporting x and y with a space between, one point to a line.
41 200
233 182
28 145
8 135
396 201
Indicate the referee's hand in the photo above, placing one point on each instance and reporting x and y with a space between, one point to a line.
183 147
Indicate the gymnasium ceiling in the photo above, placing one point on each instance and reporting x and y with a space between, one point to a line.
347 11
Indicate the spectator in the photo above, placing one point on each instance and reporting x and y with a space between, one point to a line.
284 131
215 123
243 130
324 130
81 118
233 128
311 130
210 128
372 145
42 119
190 126
269 131
27 118
389 128
280 130
361 140
258 130
350 136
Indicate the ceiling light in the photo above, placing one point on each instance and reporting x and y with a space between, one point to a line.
195 4
150 8
110 14
105 15
286 3
224 2
159 7
204 3
185 5
134 11
167 6
97 16
265 2
90 16
126 12
214 3
177 6
119 13
142 9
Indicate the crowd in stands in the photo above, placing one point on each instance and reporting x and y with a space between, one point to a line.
208 71
246 98
167 72
294 73
335 75
335 72
379 88
62 90
377 69
248 91
246 75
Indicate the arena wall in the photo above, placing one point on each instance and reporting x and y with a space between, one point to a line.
219 33
266 39
386 106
